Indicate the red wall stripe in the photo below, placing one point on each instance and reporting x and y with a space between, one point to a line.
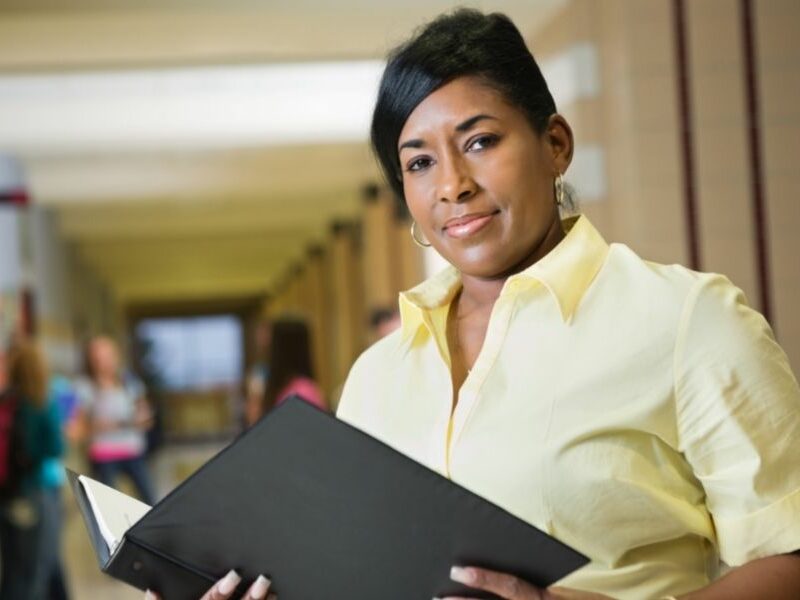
753 116
686 134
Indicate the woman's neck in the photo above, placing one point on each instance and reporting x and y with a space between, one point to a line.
481 293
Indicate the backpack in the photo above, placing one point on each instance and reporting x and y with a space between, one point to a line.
13 459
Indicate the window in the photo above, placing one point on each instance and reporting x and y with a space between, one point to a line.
193 353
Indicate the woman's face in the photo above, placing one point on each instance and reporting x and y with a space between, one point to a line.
103 354
478 179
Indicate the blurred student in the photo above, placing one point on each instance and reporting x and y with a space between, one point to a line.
61 395
29 529
291 370
258 373
115 417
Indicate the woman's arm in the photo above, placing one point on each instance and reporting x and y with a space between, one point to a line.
87 425
509 587
774 577
143 417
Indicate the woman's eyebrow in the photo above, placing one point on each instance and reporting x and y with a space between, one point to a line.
470 123
415 143
460 128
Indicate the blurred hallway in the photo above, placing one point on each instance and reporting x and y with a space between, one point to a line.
177 175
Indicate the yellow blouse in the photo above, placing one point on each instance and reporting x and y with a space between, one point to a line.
641 413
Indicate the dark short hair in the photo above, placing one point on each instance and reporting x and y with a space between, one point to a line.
381 315
290 356
462 43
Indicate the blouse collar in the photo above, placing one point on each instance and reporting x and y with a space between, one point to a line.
566 272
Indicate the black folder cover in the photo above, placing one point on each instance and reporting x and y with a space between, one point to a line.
327 512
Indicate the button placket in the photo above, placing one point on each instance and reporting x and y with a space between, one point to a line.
441 437
469 394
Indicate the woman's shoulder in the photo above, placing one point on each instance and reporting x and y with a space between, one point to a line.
625 269
370 371
84 389
381 354
707 309
301 383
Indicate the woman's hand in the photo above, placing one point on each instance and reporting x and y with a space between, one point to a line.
509 587
143 418
102 425
223 589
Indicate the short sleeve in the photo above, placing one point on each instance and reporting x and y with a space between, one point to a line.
360 402
307 389
348 408
84 393
135 387
738 414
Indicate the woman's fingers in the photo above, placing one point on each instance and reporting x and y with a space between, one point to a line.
223 589
259 589
503 585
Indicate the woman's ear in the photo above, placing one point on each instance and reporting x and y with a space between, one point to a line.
561 142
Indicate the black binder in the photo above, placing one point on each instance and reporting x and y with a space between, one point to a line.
327 512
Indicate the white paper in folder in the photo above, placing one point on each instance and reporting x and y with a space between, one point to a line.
114 511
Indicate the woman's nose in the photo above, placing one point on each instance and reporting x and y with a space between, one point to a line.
456 183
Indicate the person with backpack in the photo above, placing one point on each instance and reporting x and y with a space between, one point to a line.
31 434
7 412
61 396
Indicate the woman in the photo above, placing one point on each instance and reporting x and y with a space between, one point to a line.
291 372
28 525
641 413
114 415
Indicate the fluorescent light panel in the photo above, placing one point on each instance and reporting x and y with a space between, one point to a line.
188 107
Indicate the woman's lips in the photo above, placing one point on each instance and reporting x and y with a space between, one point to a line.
468 225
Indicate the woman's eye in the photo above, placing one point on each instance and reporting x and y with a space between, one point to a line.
418 164
482 142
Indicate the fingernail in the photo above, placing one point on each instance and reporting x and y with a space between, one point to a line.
260 588
461 575
148 595
228 583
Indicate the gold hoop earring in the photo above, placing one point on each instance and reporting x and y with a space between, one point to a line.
414 236
559 189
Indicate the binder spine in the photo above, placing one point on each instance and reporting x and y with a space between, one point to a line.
145 567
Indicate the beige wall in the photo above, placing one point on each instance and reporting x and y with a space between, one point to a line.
635 119
71 302
778 62
722 160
